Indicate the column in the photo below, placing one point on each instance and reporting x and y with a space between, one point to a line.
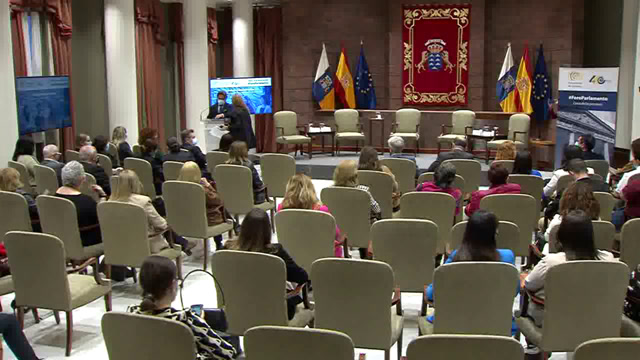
629 79
9 122
196 67
120 51
243 65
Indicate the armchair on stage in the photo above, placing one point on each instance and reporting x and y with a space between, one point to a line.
462 122
407 126
288 131
518 132
348 127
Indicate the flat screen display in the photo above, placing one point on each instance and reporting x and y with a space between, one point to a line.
44 103
256 92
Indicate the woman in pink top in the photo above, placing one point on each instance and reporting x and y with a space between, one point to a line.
498 176
301 194
442 182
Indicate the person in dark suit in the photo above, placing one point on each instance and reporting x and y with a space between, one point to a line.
150 153
189 142
456 153
221 109
89 161
587 143
52 156
176 153
578 169
240 122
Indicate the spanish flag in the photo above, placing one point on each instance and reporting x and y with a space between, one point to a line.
344 82
523 84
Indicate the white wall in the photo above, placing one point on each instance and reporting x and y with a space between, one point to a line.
9 118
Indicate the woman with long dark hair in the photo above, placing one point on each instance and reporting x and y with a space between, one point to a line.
523 164
239 155
24 155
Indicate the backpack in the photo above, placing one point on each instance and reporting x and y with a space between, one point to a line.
632 301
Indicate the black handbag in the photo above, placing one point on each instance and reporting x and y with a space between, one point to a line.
215 318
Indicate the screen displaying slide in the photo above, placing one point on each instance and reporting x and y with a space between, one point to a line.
44 103
256 92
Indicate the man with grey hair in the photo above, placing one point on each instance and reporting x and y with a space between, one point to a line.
51 159
89 160
396 146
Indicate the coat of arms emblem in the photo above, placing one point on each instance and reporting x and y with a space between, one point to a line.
435 57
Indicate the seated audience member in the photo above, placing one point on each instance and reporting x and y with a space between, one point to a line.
443 182
369 161
301 194
587 143
578 169
101 143
72 179
51 158
479 244
239 155
225 143
158 279
570 152
189 142
457 152
635 151
506 151
82 140
149 152
498 176
575 239
176 153
89 161
631 193
119 139
14 337
523 164
24 155
190 172
255 236
396 146
10 182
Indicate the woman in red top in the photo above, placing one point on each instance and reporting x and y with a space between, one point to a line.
442 182
498 176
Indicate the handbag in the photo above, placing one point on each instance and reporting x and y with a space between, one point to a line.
215 317
632 301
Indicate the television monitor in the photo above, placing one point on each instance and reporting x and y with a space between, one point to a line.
44 103
256 92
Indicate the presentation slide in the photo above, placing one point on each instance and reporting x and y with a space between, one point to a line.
44 103
256 92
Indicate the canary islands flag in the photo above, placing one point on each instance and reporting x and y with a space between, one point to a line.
323 91
505 89
344 82
523 84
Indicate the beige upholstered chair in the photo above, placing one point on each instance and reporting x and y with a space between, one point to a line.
277 169
142 168
351 208
564 182
244 277
459 314
348 127
458 183
624 349
461 125
105 163
353 297
14 216
283 343
112 149
630 243
131 336
566 323
465 347
41 281
58 217
136 149
405 172
604 233
215 158
470 170
46 180
24 175
407 125
437 207
518 132
288 131
87 187
235 187
530 185
308 235
607 203
507 164
600 167
520 209
381 187
71 155
188 219
171 170
126 238
507 237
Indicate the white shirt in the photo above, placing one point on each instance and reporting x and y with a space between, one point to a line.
553 183
625 179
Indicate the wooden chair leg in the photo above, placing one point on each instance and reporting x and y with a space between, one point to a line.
21 316
135 275
488 153
439 145
387 354
56 315
179 266
35 315
69 332
400 345
311 150
206 254
108 302
273 223
107 270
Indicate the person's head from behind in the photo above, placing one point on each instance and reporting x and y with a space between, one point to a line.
222 97
445 175
119 135
255 232
579 196
506 151
346 174
150 146
51 152
24 146
577 168
73 175
238 102
635 149
148 134
188 136
173 145
571 152
190 172
479 240
10 180
368 159
100 142
498 174
396 144
587 142
82 140
523 163
300 193
88 154
238 153
158 280
575 236
459 144
225 142
128 184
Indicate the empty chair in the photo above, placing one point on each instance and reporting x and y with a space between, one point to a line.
470 171
171 170
353 297
530 185
600 167
519 209
112 149
348 127
215 158
142 168
40 278
71 155
465 347
604 233
187 218
518 132
459 314
508 235
131 336
630 243
285 343
508 164
407 126
14 216
351 208
308 235
617 348
405 172
461 125
607 203
105 163
277 169
437 207
46 180
236 189
381 188
87 187
24 175
564 182
288 131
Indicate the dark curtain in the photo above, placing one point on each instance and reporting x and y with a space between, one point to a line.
268 63
17 40
226 42
212 27
176 31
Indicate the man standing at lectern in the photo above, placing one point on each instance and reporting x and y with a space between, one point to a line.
221 109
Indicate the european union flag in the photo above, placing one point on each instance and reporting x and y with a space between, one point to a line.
541 89
365 92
